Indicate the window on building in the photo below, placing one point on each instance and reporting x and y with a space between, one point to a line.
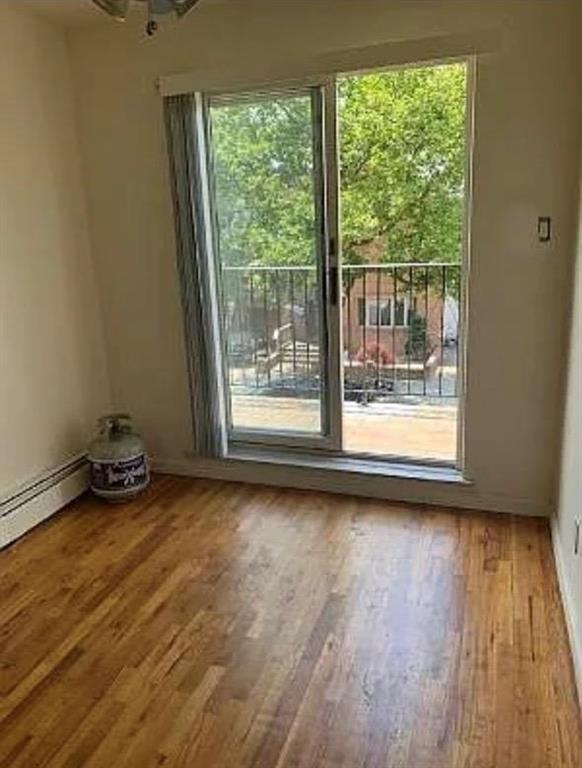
384 313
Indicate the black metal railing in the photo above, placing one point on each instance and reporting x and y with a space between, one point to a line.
400 327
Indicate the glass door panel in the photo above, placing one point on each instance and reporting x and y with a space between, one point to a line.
403 149
267 190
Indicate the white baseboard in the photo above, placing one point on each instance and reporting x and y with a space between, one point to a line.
569 610
31 503
330 479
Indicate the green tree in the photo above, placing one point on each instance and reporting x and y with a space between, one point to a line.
402 150
402 165
263 169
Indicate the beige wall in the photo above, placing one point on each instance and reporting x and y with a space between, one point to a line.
527 139
570 506
52 368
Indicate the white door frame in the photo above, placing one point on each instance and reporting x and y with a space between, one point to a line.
330 441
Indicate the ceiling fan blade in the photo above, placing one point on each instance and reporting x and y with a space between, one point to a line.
116 8
183 6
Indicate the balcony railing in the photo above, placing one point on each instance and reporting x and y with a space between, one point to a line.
400 329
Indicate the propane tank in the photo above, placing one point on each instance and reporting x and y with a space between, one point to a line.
119 465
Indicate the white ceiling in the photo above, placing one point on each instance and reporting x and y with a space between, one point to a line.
69 12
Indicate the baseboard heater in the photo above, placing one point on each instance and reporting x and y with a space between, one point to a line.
33 502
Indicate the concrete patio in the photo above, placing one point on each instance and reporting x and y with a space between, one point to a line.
417 429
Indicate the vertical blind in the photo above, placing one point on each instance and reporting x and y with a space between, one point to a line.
189 181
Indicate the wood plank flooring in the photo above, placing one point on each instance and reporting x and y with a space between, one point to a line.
210 625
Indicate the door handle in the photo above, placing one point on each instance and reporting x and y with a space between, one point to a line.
333 285
333 273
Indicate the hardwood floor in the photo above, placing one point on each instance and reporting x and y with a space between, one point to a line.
213 624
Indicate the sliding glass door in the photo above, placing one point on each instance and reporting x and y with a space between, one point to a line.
270 212
355 343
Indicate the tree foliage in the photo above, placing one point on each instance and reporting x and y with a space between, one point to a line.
263 169
402 149
402 165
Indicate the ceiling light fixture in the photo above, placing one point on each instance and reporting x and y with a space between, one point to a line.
120 8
